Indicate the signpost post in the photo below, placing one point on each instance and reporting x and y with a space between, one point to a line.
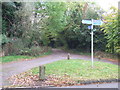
92 42
92 22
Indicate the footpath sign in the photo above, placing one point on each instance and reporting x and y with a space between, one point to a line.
86 21
92 22
97 22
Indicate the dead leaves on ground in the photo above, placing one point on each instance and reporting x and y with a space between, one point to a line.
23 79
58 81
28 80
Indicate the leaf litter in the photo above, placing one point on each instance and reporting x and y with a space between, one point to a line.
27 79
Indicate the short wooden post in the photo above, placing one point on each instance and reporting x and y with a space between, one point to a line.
41 72
68 56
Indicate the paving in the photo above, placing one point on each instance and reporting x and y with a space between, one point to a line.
14 68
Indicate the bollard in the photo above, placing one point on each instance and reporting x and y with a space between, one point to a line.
68 56
99 57
41 72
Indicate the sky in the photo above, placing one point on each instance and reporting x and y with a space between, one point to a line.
106 4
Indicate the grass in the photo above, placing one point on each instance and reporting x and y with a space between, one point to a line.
81 70
6 59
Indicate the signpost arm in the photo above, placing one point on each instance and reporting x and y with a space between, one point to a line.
92 42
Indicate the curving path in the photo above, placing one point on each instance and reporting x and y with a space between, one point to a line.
10 69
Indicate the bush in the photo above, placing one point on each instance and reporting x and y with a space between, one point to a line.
34 51
3 39
0 49
17 47
13 47
25 51
31 52
8 49
1 52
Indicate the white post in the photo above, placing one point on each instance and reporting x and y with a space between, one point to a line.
92 43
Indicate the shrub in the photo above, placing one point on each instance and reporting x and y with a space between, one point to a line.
13 47
17 47
3 39
34 51
24 51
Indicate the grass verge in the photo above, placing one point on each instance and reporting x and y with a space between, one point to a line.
6 59
81 70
